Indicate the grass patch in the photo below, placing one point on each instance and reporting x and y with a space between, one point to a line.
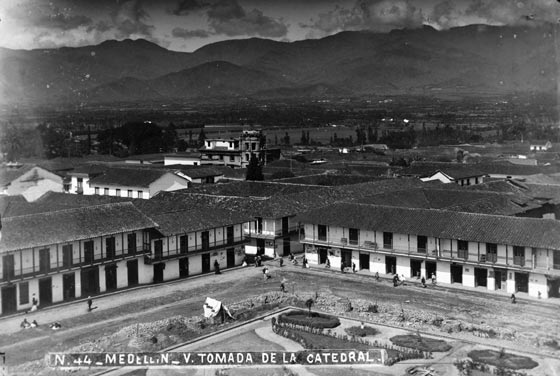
502 359
358 331
315 320
414 341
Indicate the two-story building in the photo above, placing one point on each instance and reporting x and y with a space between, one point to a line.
475 250
66 254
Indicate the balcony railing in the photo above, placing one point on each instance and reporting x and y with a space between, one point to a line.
176 253
30 272
463 253
519 260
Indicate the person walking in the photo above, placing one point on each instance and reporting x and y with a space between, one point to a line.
423 280
353 267
89 303
433 278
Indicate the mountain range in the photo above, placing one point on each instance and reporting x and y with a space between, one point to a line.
470 60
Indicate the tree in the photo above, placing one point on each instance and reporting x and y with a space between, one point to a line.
309 303
303 138
254 169
287 139
201 138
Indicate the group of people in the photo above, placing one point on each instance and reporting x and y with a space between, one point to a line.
26 324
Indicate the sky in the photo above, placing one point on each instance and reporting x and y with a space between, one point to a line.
186 25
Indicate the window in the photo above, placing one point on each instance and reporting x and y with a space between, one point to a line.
24 293
519 256
259 225
322 233
247 156
183 244
129 193
475 180
246 146
387 240
110 248
231 158
131 243
229 235
463 249
67 256
158 249
118 192
96 190
354 235
106 191
421 243
254 146
80 183
88 252
140 194
491 252
8 267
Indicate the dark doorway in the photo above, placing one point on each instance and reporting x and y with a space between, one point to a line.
415 268
500 279
158 249
521 282
9 299
286 246
45 291
230 255
88 252
90 281
346 257
8 267
390 264
111 277
285 226
456 273
158 272
364 261
206 263
229 235
184 267
132 272
431 269
69 286
323 254
480 277
44 260
260 247
553 288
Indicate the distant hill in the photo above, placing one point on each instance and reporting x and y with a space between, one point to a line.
466 60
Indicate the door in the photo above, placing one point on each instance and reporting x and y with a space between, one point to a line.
44 260
206 263
522 282
9 299
260 247
8 267
553 285
480 277
158 249
111 277
67 256
230 257
323 254
364 261
45 291
346 257
499 277
132 272
431 269
90 281
285 226
286 246
390 264
158 272
415 268
456 273
229 235
88 252
69 286
184 267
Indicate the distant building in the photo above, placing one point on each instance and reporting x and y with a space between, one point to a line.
184 158
29 181
460 176
233 152
540 146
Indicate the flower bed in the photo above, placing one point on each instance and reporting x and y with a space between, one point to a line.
315 320
358 331
417 342
502 359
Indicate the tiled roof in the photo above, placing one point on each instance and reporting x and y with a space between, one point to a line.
8 175
251 189
197 172
529 232
62 226
185 221
128 177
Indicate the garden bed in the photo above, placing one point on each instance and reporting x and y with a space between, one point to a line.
417 342
502 359
312 320
358 331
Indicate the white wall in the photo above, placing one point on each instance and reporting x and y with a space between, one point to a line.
468 276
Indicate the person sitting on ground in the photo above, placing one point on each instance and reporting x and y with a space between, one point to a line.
403 279
433 278
513 299
25 324
267 275
395 280
291 256
55 326
34 324
217 267
377 276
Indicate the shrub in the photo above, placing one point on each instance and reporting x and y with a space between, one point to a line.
421 343
502 359
316 320
358 331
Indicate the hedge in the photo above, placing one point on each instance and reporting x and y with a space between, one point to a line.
316 320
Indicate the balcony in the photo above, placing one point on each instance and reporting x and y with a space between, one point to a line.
30 272
150 258
519 260
489 257
463 254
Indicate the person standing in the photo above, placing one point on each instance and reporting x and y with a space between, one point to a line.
423 280
217 267
89 303
353 267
